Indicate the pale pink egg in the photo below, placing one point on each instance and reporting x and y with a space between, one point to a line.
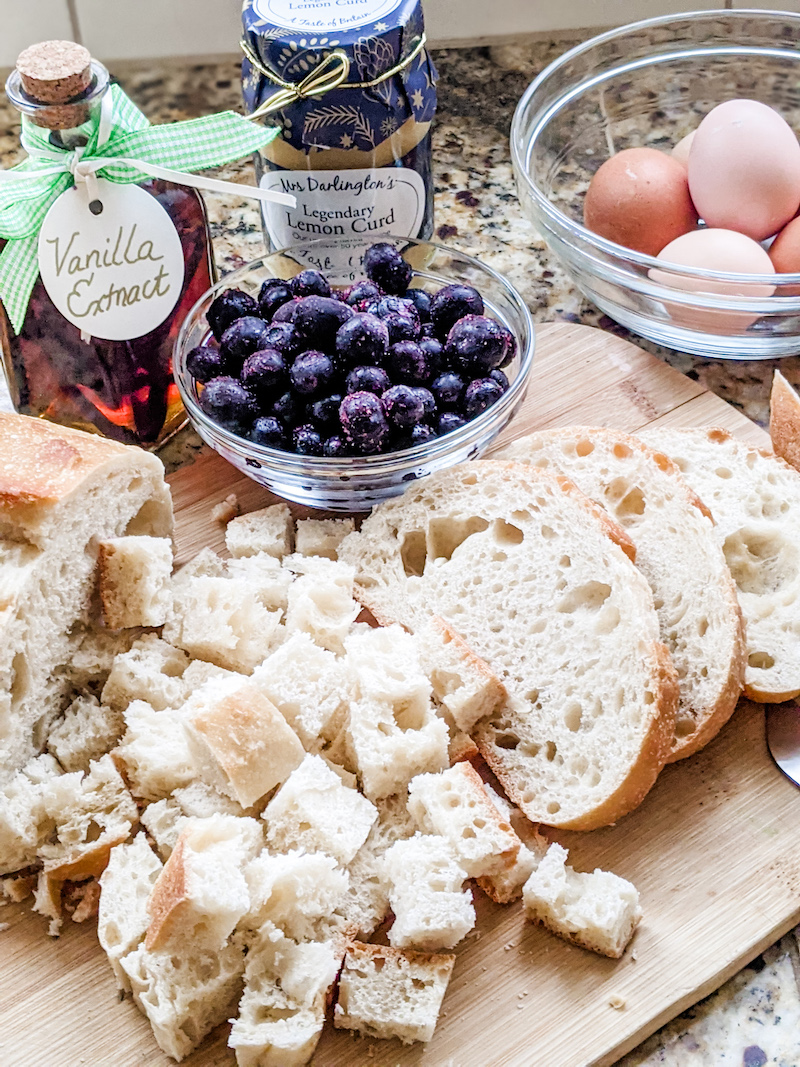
681 149
719 250
744 169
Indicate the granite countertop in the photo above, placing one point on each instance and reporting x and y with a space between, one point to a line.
754 1019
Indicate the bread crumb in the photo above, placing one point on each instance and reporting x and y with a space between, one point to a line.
617 1003
226 510
634 955
4 927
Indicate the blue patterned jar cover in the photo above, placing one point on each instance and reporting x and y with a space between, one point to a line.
342 118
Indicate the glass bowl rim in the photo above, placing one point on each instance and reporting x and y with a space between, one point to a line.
353 465
520 149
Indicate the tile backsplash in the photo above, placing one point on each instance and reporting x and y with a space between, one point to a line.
142 29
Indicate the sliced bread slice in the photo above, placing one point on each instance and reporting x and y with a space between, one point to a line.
677 552
755 499
533 577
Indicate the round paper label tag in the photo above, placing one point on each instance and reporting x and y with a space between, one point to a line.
322 16
112 264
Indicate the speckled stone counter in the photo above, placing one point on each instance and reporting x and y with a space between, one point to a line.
754 1020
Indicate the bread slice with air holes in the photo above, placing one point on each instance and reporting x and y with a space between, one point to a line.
755 499
125 886
677 552
538 581
384 992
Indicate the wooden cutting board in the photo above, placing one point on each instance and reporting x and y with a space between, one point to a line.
713 848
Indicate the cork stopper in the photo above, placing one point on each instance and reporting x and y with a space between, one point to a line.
55 73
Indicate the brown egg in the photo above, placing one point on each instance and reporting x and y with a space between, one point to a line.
785 255
640 199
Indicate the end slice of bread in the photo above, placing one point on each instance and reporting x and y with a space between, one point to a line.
384 992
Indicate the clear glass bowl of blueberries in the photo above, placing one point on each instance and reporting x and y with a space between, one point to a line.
337 396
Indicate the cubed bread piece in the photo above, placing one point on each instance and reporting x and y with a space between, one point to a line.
201 894
268 530
164 822
463 683
88 730
461 747
199 672
506 885
155 751
320 602
366 902
126 884
199 800
25 823
282 1010
453 804
152 670
321 537
92 813
133 579
386 665
308 684
384 992
431 908
93 657
598 911
296 891
265 576
206 564
223 621
244 746
313 810
390 748
185 994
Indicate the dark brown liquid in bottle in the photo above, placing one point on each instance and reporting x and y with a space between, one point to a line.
121 389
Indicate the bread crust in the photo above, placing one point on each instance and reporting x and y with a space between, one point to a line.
784 420
168 898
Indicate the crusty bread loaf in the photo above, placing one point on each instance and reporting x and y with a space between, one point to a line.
61 491
695 598
133 579
282 1010
454 805
784 420
598 911
755 499
431 908
384 992
126 884
185 995
531 574
268 531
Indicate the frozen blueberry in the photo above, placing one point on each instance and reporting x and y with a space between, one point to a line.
284 337
476 344
311 372
400 327
204 363
427 329
362 339
448 421
318 319
367 380
310 283
363 290
511 350
385 266
264 373
324 413
306 440
334 446
404 408
421 433
286 312
427 398
242 337
407 363
498 376
390 305
286 408
421 301
269 431
448 390
452 303
231 304
274 294
364 422
480 395
435 354
227 402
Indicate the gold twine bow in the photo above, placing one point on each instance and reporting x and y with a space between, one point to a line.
329 74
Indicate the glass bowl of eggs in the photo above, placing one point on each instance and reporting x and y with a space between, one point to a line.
661 164
336 388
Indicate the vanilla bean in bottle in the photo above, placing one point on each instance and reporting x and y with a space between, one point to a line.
119 385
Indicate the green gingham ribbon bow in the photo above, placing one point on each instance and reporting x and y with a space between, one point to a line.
122 147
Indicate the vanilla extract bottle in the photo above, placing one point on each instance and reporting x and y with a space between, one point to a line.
94 348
